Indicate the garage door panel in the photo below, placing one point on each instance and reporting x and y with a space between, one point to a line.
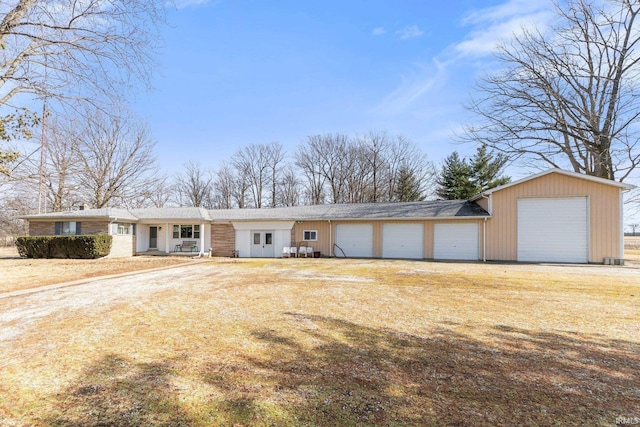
553 230
455 241
356 240
403 241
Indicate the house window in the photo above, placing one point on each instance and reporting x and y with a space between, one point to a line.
125 228
186 231
67 228
310 235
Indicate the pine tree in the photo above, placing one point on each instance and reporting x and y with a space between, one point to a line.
486 168
408 188
454 181
461 179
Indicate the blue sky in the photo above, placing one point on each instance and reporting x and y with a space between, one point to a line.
235 72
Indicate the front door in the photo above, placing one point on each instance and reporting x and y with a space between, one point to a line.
262 244
153 237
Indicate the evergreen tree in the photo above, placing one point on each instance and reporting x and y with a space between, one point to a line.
461 179
486 168
408 188
454 181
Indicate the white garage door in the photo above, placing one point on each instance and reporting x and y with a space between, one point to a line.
402 241
455 241
356 240
553 230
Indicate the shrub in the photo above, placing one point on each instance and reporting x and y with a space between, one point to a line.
82 247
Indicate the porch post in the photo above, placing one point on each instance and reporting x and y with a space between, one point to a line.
167 242
202 239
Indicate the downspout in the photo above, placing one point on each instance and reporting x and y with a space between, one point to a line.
330 240
484 228
484 240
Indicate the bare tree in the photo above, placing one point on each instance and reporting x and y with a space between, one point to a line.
224 188
405 158
115 157
289 187
71 49
376 146
311 169
275 156
252 164
194 187
568 97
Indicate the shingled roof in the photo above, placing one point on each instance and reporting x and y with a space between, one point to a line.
351 211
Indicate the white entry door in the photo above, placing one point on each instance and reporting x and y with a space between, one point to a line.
262 244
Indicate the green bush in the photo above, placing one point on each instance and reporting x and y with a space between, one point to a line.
81 247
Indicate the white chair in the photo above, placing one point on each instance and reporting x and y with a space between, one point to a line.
293 251
286 252
309 252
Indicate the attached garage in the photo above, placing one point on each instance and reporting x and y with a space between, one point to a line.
355 240
456 241
403 241
553 229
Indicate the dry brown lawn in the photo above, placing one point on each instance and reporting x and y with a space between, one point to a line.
327 342
21 273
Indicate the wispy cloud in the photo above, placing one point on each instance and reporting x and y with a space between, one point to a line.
485 29
409 32
378 31
183 4
413 87
491 25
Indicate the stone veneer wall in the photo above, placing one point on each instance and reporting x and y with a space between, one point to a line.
223 239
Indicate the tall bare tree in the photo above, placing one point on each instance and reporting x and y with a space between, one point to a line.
289 187
252 164
115 156
194 187
568 97
275 156
224 186
70 49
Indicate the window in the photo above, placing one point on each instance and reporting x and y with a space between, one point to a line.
186 231
125 228
310 235
268 238
66 228
256 238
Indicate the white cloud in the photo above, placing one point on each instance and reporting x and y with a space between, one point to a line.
409 32
378 31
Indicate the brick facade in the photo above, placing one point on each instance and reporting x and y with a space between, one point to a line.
223 239
47 228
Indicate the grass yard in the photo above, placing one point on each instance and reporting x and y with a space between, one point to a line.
17 274
327 342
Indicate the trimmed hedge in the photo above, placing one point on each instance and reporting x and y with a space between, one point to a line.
79 247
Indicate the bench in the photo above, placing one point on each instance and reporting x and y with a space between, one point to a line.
187 246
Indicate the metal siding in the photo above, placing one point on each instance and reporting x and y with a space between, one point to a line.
403 240
553 229
356 240
604 215
456 241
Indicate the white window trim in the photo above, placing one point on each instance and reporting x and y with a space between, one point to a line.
309 231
